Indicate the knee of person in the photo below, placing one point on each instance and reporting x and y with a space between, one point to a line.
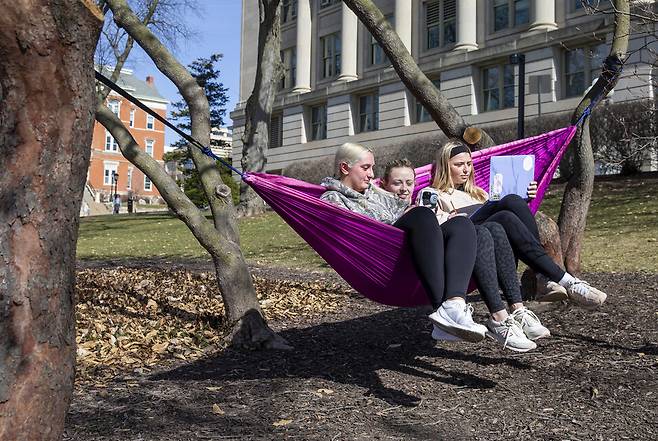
495 229
461 223
513 200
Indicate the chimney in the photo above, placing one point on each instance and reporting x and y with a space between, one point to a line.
150 80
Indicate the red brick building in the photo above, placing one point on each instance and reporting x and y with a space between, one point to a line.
107 162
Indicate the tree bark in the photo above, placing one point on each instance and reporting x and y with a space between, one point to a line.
256 137
438 106
46 116
578 191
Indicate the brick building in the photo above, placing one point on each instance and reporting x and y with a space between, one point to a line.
107 161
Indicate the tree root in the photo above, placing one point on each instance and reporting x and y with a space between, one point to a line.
252 332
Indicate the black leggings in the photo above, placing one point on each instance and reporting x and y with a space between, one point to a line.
443 256
513 214
495 266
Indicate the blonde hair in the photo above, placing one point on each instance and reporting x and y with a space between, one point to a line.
442 178
349 153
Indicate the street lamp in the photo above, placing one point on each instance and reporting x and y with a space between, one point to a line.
519 59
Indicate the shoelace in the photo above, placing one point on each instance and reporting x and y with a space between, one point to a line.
526 316
510 326
581 287
468 310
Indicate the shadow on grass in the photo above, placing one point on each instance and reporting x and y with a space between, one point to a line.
350 352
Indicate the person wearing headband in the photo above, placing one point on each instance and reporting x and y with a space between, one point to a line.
501 226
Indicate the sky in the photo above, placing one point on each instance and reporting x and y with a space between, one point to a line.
217 28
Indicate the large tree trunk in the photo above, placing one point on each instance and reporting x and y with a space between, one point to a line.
580 184
46 115
256 137
438 106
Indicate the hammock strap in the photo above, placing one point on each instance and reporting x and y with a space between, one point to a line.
612 67
204 149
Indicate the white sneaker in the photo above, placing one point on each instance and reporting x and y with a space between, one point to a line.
530 323
510 335
456 318
441 335
549 291
583 294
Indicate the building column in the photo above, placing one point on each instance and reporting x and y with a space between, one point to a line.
348 43
402 20
466 25
544 16
304 37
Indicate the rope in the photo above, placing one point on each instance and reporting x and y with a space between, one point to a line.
204 149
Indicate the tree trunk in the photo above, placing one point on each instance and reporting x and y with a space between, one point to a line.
445 116
256 137
233 277
46 116
578 191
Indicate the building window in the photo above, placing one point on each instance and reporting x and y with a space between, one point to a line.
498 87
510 13
422 115
132 118
440 22
376 54
109 169
327 3
330 52
148 186
110 143
149 147
368 112
276 131
319 122
289 60
114 106
581 67
129 182
577 4
288 10
150 122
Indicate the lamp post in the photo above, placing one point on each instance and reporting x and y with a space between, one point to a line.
519 59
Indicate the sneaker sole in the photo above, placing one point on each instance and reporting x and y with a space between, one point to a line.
492 336
462 333
548 334
555 296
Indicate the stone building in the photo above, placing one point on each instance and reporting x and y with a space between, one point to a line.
339 86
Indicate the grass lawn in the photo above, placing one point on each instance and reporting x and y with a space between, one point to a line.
622 233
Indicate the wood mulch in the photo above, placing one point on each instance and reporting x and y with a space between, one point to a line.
363 371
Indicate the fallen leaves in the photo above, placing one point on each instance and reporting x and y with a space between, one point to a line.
133 319
281 423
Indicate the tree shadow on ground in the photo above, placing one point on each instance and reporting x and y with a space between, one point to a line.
350 352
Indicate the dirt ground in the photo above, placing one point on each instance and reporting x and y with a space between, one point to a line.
371 372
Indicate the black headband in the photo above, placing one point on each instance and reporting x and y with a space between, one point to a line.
460 148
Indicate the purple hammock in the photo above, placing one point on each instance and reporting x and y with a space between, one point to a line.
372 256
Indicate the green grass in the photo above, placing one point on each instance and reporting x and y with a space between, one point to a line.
622 233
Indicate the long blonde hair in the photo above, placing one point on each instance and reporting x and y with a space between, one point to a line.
349 153
443 179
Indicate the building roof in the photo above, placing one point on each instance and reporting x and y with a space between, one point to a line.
135 86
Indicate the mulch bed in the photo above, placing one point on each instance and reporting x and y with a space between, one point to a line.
362 371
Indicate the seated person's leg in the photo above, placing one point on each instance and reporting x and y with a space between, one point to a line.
508 278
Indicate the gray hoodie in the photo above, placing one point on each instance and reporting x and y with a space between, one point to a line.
374 202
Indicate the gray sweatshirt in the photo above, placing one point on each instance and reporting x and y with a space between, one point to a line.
374 202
